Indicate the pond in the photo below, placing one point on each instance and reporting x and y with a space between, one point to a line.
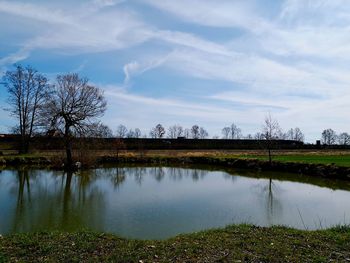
161 202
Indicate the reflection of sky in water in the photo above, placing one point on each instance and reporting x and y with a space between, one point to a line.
161 202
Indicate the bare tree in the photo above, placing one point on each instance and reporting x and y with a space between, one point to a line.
259 136
72 107
298 135
344 138
282 135
137 133
130 134
226 132
249 137
270 132
187 133
121 131
235 132
157 132
27 89
98 130
118 145
195 132
203 134
329 137
295 134
175 131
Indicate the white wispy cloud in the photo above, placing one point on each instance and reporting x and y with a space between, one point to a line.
135 67
139 111
223 13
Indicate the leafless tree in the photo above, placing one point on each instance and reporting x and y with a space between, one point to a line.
329 137
235 132
137 133
195 132
73 107
130 134
249 137
27 89
175 131
203 134
259 136
344 138
270 132
118 145
121 131
157 132
295 134
98 130
187 133
232 132
226 132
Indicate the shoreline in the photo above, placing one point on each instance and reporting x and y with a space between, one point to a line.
330 171
235 243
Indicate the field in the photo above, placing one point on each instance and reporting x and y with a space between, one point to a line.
328 157
339 158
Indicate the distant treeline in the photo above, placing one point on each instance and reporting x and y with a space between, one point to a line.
57 143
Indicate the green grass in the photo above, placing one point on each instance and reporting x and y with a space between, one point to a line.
241 243
339 160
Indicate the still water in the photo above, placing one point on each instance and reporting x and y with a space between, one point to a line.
160 202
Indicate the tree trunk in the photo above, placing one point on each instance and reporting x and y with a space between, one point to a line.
26 145
66 198
68 145
69 160
22 148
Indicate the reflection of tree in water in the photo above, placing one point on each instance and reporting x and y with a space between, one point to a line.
48 201
269 194
178 174
230 177
116 175
23 189
273 205
138 173
158 173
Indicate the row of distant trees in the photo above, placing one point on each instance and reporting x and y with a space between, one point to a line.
157 132
197 132
329 136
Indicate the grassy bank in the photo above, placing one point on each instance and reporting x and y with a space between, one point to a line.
333 166
337 157
232 244
338 160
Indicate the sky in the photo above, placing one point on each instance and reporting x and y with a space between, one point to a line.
205 62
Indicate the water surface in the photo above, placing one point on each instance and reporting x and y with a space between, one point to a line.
160 202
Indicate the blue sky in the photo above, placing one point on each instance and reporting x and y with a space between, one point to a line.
206 62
